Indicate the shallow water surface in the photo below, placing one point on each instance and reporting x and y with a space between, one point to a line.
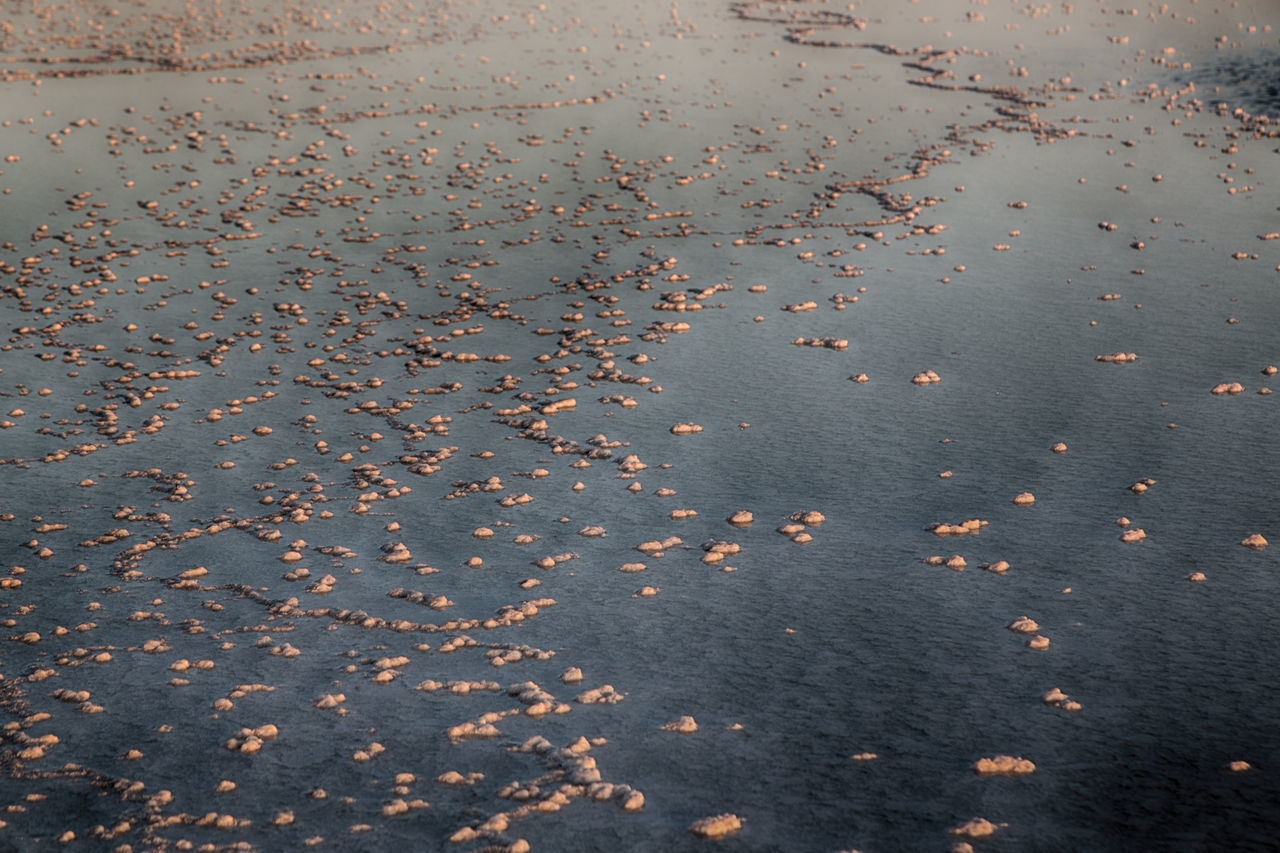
346 354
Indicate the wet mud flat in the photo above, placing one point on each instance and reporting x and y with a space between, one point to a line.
797 425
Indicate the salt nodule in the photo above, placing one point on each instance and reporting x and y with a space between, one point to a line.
716 826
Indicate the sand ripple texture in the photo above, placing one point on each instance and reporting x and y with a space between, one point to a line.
351 352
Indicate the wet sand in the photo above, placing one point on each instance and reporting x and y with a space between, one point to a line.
435 426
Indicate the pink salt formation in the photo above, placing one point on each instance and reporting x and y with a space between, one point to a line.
716 826
1003 765
965 528
1057 699
1254 542
926 377
977 827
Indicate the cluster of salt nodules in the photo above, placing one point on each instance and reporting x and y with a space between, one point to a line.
809 518
716 826
1140 487
501 654
1027 625
250 741
435 602
1003 765
797 522
35 748
603 695
685 429
631 464
573 775
1118 358
1024 499
955 562
226 703
323 586
656 548
396 552
1232 388
388 669
81 698
455 779
965 528
1057 699
717 549
483 727
823 343
552 560
460 687
799 307
741 518
926 377
537 702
